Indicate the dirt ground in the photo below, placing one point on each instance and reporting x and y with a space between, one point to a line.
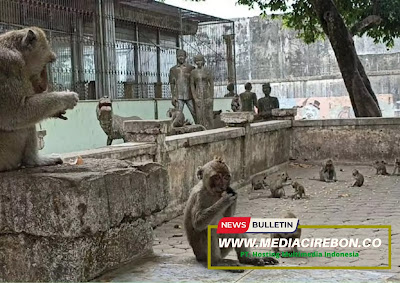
376 203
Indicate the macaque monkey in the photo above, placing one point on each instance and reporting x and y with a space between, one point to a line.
327 172
277 185
358 179
24 55
380 168
295 235
209 201
299 191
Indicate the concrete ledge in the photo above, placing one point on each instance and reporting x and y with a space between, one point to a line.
73 222
269 126
126 151
347 122
203 137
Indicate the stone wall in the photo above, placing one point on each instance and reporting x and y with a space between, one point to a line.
74 222
347 140
267 51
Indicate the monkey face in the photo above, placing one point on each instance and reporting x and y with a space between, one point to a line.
216 176
355 172
37 53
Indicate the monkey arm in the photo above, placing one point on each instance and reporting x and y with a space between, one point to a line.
22 112
201 218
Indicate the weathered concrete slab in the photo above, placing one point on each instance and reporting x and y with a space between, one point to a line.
187 129
237 118
73 222
147 130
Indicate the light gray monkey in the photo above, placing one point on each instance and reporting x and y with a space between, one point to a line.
209 201
24 55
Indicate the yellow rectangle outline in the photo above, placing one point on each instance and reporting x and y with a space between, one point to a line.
389 227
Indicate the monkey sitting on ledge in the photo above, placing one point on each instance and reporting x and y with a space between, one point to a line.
25 100
209 201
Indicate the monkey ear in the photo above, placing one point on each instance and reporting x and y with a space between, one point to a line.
29 39
199 173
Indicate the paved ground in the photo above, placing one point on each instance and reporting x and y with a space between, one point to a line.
377 202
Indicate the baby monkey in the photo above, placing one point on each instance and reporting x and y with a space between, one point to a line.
380 168
358 179
299 191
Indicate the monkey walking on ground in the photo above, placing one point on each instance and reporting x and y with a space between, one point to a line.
380 167
358 179
299 191
396 170
25 102
293 236
209 201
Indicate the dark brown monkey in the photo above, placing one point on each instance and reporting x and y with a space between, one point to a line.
209 201
299 191
295 235
358 179
396 167
327 172
380 168
277 185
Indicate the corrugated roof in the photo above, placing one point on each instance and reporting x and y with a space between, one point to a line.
163 8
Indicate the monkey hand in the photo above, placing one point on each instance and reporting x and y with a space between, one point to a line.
69 99
61 116
228 198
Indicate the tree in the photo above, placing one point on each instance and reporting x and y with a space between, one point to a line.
340 20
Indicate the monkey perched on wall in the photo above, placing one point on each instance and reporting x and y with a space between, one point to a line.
327 172
396 167
358 179
178 118
295 235
209 201
25 102
380 167
299 191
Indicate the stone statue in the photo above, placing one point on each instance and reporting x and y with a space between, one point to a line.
230 87
267 103
179 79
248 99
202 87
112 125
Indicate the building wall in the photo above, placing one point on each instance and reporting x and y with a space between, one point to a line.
268 52
262 148
82 130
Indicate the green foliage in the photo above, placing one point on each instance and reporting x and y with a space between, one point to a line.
299 15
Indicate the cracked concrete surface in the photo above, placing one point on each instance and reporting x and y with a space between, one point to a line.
376 203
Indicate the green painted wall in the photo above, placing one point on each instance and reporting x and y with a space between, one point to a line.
82 130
